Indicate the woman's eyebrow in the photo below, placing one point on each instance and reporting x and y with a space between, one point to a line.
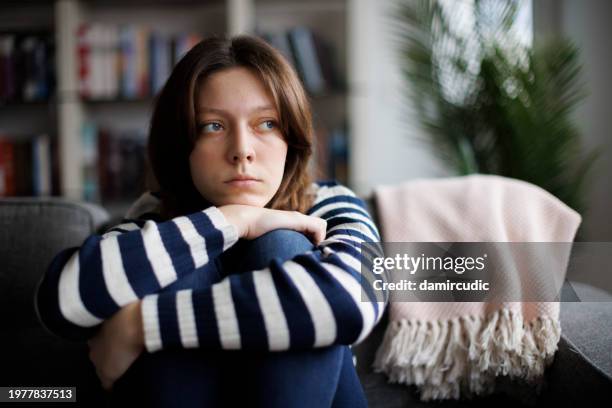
205 109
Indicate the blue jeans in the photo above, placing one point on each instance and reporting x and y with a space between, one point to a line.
319 377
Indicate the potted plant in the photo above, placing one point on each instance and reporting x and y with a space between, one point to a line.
489 103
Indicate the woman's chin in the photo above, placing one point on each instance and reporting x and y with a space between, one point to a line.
245 199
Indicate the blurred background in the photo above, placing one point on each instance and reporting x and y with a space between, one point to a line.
401 89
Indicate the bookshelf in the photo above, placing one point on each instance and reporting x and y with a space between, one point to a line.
70 113
27 108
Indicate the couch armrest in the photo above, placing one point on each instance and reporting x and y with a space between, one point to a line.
32 231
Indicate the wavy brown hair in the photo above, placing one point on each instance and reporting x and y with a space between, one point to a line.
173 130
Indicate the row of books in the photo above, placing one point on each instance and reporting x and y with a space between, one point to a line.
133 62
126 62
113 163
27 72
310 55
26 166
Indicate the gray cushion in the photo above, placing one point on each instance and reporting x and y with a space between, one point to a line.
587 326
582 369
32 232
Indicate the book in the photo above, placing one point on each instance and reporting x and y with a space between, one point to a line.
129 62
142 62
161 60
41 165
84 62
22 167
183 43
26 67
26 166
111 61
120 163
7 67
7 177
89 142
338 155
307 60
280 41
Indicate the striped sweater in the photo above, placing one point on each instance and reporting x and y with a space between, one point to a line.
315 299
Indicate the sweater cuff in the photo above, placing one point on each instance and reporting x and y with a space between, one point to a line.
150 323
220 222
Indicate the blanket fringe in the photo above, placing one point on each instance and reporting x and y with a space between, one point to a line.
462 356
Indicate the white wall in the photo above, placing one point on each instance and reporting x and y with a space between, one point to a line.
588 24
384 145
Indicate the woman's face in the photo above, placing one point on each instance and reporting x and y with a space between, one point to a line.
239 155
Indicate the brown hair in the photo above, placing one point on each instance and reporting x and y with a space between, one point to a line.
173 125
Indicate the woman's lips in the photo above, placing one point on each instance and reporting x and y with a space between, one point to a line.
242 182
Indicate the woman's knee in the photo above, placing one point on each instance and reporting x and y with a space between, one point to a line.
283 240
281 244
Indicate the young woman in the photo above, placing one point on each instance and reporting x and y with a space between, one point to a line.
242 278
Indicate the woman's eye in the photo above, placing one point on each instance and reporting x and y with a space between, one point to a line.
267 125
210 127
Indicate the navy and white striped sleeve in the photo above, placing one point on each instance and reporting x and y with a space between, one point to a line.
315 299
84 286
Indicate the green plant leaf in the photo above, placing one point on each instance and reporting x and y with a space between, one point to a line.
488 104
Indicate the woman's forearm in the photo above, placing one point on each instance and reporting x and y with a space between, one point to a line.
83 287
117 344
312 300
252 222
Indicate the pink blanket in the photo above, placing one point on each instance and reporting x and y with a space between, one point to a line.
454 349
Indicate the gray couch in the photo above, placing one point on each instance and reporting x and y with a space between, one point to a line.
32 231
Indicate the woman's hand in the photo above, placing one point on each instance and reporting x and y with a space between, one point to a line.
117 344
253 222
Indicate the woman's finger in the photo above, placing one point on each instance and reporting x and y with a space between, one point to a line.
314 227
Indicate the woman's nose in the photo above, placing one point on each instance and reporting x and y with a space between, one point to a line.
240 156
241 148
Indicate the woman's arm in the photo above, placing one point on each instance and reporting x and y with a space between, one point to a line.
314 300
83 286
